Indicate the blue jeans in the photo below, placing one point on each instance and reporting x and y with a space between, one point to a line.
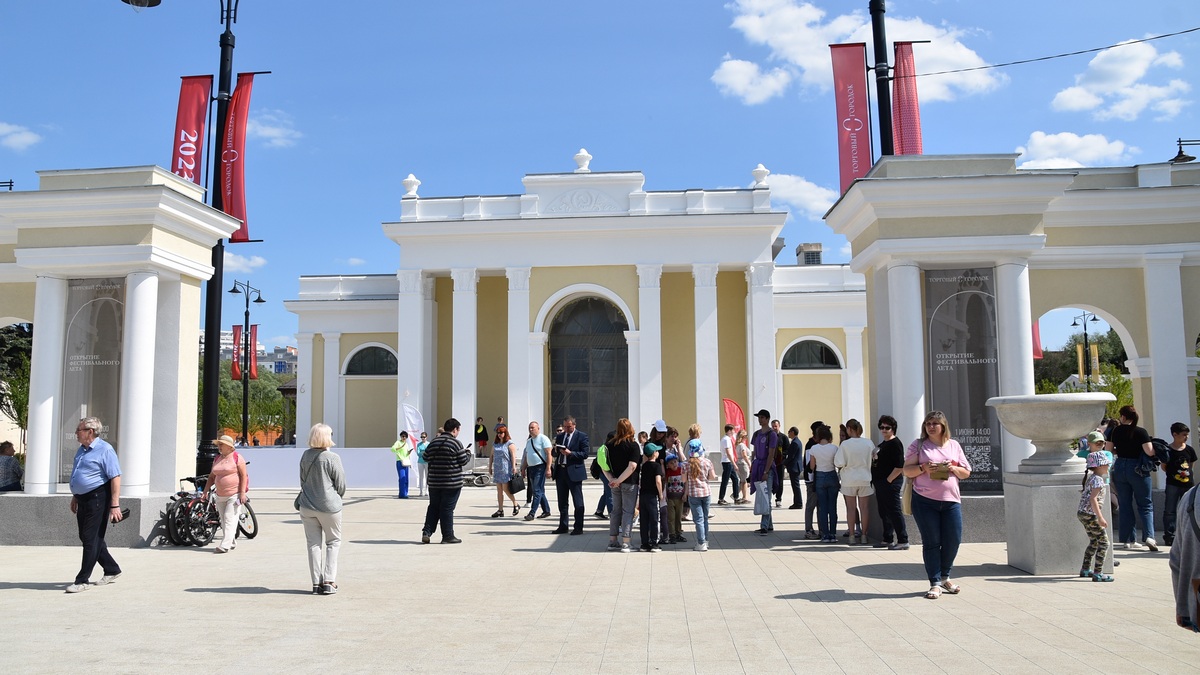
940 524
728 475
441 510
536 475
700 517
1131 488
402 477
827 495
606 499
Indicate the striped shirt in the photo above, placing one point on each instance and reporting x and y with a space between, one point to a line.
446 457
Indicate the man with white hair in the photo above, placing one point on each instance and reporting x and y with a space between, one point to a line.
95 501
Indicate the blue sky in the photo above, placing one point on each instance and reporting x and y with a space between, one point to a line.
470 96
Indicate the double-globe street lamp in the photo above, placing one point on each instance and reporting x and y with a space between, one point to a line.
1086 318
248 351
211 372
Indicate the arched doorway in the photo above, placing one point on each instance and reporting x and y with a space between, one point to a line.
589 366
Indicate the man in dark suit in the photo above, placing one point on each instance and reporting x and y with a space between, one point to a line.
570 453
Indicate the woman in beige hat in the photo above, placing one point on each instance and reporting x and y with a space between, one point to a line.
229 481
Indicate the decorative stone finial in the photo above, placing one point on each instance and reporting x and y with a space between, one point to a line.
411 184
582 158
760 174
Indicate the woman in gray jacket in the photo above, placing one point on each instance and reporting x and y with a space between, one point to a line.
322 484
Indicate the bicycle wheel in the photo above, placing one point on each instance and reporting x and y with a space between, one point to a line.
176 520
201 522
247 522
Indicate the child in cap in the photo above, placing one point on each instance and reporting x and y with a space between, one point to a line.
676 491
1092 515
650 497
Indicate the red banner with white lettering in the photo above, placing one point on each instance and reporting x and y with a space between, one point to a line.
252 351
853 116
734 414
194 94
906 112
233 149
235 371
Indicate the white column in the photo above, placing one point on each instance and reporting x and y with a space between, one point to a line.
633 340
650 327
760 320
332 405
304 383
136 406
464 350
410 343
537 380
908 353
1168 343
45 385
520 376
853 389
1014 349
429 350
708 381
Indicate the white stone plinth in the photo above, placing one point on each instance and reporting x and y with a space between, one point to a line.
1044 535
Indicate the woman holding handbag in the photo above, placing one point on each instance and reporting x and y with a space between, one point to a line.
500 465
936 463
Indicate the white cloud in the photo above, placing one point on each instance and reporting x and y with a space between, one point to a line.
274 127
1067 151
280 341
806 198
16 137
1113 85
243 264
798 36
353 262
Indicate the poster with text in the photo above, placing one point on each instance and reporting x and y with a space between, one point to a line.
95 321
960 324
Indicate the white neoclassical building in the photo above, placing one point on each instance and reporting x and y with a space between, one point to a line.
587 296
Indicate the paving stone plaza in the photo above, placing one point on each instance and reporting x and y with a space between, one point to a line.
513 598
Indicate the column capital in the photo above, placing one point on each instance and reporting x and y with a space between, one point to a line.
304 338
427 287
705 274
464 278
633 337
331 336
649 275
1019 262
902 262
538 338
518 278
760 274
853 330
410 280
1166 259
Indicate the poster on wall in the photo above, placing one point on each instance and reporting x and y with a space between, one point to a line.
960 325
95 321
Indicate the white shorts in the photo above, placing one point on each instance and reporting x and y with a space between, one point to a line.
858 491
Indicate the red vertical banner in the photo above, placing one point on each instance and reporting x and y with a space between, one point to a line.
233 148
235 371
188 147
853 117
1037 341
734 414
252 351
906 112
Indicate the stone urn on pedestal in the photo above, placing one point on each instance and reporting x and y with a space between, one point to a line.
1042 497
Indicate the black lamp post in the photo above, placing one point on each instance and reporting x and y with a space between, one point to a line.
247 350
1086 318
211 372
1182 157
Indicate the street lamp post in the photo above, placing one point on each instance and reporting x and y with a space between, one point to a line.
1086 317
244 287
211 371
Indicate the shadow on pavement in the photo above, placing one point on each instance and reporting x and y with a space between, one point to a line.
250 590
839 595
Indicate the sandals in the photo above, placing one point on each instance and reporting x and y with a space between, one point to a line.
950 587
516 509
1102 577
329 588
933 593
498 513
1085 574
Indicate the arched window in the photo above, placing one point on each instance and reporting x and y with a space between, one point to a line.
810 355
372 361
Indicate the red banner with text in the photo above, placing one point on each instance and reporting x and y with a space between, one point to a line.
194 94
252 351
906 110
233 149
235 371
853 118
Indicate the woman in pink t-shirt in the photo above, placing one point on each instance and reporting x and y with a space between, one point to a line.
230 482
936 463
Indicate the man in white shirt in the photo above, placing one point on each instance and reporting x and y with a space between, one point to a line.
728 460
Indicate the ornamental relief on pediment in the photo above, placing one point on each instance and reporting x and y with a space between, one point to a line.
583 201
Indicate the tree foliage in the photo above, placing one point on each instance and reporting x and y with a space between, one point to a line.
1057 366
268 411
16 349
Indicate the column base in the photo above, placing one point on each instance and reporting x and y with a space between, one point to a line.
46 520
1044 536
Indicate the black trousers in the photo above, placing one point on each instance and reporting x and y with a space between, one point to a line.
572 489
794 478
647 523
441 511
887 498
91 513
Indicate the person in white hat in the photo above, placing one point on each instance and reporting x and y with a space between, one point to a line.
229 481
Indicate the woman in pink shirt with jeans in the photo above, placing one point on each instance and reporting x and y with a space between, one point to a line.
936 463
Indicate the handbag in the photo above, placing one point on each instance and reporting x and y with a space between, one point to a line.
762 498
303 477
516 484
906 497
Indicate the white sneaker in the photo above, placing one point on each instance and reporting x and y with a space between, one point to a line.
108 579
78 588
1133 546
701 547
1151 544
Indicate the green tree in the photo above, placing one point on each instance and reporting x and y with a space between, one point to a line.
1115 383
266 412
14 396
1058 365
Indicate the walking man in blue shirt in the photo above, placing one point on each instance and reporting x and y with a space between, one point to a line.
95 501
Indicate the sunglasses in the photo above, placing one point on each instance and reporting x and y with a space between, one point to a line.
884 427
933 424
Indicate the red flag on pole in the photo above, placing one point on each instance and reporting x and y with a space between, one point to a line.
194 94
734 414
252 351
235 371
906 112
1037 340
233 167
853 116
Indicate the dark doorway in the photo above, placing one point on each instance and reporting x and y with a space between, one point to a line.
589 367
